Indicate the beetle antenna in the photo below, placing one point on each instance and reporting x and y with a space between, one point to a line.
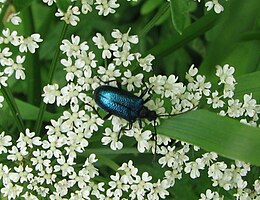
169 115
155 135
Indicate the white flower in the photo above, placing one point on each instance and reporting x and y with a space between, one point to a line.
225 74
201 86
235 108
101 43
14 18
16 154
4 54
89 165
86 6
11 191
257 186
10 37
215 100
159 190
62 188
214 3
172 88
76 138
193 168
140 186
122 38
93 122
117 184
3 79
109 73
73 48
105 7
5 140
38 160
146 62
71 93
51 92
70 17
249 105
142 138
210 195
112 137
132 81
170 176
53 145
158 107
123 57
168 157
72 69
29 43
157 83
64 166
87 59
191 73
216 170
130 172
76 118
22 174
1 100
17 68
49 2
28 139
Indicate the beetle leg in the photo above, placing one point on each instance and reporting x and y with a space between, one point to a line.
140 123
95 110
155 136
106 82
107 116
125 129
148 98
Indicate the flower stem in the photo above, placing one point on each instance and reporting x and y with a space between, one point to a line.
33 70
9 98
153 21
51 73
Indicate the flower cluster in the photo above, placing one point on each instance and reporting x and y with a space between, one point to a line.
10 66
71 15
78 125
104 8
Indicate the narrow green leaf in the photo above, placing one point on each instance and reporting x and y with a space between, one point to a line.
63 4
223 135
152 22
194 30
50 77
9 98
248 83
179 13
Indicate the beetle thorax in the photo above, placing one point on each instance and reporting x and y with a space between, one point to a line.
148 114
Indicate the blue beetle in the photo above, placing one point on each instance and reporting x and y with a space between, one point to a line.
124 104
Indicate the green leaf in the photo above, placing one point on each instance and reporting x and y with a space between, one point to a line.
179 13
30 112
196 29
225 136
63 4
248 83
238 18
21 4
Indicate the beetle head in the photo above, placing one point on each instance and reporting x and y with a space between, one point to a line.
148 114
